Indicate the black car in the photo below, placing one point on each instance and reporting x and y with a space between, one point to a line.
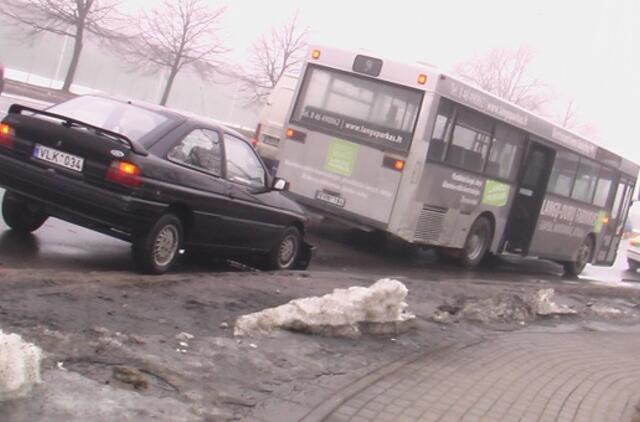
161 179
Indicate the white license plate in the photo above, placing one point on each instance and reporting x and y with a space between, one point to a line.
63 159
332 199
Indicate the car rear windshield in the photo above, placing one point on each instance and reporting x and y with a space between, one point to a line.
357 108
126 119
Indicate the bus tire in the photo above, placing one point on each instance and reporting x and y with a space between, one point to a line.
477 243
583 256
157 251
18 215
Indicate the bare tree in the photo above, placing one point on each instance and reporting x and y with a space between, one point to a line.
570 118
177 34
505 73
69 18
280 52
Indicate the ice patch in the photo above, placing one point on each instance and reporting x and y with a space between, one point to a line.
344 313
19 366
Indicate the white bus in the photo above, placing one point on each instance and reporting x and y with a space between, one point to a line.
433 160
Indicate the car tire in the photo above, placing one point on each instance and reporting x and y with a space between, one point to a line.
157 251
18 215
575 267
633 265
285 254
477 243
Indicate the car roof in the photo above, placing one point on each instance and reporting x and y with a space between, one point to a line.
172 113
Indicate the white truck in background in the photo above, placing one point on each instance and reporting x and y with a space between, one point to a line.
272 120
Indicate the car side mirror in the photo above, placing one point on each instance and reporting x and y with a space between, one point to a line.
280 184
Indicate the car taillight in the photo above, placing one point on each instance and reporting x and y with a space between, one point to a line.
256 135
7 135
634 241
124 173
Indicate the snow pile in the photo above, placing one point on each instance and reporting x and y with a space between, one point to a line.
544 305
19 366
378 309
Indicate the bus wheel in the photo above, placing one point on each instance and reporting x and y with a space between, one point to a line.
573 268
477 243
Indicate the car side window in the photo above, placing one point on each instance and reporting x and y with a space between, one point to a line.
243 166
200 148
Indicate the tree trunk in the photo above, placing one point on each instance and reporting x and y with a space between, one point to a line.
75 59
168 86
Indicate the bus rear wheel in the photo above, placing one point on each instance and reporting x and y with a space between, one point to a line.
575 267
477 243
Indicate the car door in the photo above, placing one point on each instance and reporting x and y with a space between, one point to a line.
252 222
198 183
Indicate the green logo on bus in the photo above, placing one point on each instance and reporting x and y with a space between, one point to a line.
341 157
495 193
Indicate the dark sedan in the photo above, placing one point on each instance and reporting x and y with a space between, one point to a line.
161 179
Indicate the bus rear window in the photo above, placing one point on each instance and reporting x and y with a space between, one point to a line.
358 108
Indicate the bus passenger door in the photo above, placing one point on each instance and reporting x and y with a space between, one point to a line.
532 185
614 229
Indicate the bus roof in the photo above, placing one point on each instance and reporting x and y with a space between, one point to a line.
466 93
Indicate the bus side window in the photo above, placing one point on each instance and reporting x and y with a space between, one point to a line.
472 134
440 128
563 173
504 150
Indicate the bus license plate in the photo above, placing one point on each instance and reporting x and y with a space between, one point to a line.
332 199
54 156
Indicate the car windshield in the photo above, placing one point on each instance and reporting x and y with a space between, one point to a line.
126 119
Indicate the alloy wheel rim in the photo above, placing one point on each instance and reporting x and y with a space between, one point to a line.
287 251
165 245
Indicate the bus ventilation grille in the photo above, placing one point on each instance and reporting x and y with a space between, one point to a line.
430 224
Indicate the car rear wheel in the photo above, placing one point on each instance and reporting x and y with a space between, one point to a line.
285 254
575 267
156 251
477 243
633 265
21 216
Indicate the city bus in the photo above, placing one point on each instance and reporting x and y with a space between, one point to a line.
431 159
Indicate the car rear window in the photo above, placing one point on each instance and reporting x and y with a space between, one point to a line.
130 120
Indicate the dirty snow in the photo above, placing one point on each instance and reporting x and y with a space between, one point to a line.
543 304
350 312
19 366
503 308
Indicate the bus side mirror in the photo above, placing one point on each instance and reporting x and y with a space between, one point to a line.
280 184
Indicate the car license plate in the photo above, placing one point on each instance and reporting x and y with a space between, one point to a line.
54 156
332 199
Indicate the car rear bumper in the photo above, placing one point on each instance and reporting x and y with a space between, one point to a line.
78 201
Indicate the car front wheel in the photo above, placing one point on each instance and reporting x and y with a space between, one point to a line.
19 215
285 253
156 251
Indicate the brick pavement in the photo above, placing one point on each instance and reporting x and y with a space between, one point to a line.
524 376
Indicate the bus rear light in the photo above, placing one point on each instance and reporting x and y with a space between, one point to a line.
7 135
393 163
422 79
296 135
124 173
315 54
